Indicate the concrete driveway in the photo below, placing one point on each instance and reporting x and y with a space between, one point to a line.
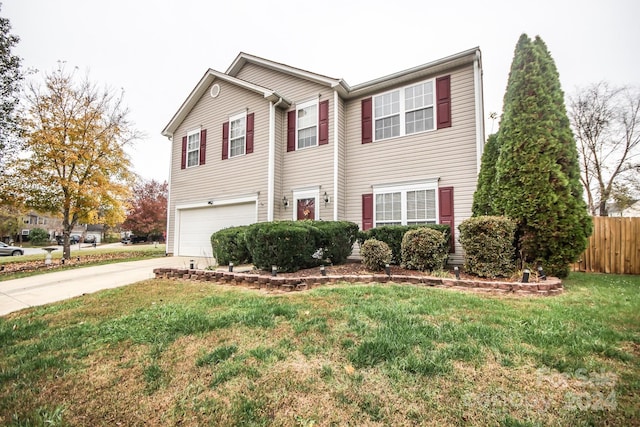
50 287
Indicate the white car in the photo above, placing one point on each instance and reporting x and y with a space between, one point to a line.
10 250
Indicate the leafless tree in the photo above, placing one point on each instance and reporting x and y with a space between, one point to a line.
606 123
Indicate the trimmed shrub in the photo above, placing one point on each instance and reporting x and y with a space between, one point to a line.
392 235
289 245
488 243
424 249
229 245
338 238
376 254
38 236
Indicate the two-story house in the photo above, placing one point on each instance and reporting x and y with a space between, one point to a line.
266 141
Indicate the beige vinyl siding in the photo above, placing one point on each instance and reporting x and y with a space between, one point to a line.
448 154
219 178
303 168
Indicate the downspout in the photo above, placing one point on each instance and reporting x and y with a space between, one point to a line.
477 77
271 172
166 233
336 153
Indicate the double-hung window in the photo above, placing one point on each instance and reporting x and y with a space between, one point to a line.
418 104
307 126
193 148
405 204
404 111
237 135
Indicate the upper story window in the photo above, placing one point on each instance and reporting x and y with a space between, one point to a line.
237 135
404 111
307 124
193 148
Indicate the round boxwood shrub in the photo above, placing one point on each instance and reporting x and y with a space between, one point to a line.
289 245
392 235
229 245
488 243
424 249
375 254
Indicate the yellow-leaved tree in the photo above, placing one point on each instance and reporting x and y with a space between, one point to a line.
75 164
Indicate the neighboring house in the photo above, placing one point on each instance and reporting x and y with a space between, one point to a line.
629 211
37 220
265 141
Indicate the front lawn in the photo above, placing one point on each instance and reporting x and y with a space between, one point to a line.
196 353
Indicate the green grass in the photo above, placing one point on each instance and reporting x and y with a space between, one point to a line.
89 258
198 353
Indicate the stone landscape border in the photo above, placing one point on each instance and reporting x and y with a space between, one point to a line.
550 286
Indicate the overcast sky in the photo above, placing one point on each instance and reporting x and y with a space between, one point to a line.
158 50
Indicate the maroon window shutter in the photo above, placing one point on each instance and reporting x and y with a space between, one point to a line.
183 164
203 146
249 148
443 97
367 120
291 131
367 211
445 209
225 140
323 120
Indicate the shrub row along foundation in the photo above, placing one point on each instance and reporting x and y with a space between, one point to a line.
551 286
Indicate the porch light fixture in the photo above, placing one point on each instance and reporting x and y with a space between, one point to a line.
285 201
325 198
525 275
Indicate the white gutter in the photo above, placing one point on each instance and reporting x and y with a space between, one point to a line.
336 153
479 100
271 179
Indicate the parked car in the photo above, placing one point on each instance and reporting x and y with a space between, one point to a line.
73 239
133 239
10 250
90 238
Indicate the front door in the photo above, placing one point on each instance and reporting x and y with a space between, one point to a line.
306 209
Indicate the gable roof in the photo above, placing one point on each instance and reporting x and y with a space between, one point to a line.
341 86
424 70
243 58
209 76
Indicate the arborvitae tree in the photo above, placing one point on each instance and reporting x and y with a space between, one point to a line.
537 173
11 77
482 198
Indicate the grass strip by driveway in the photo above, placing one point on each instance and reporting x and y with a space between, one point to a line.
34 264
180 352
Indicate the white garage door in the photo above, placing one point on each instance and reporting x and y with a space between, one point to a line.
197 225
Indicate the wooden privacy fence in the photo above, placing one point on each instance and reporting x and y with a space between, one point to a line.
613 247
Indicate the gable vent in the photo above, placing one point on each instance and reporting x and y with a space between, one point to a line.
215 90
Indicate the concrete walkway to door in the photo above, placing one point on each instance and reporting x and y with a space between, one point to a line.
60 285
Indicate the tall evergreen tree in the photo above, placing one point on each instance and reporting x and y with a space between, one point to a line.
11 77
483 197
537 172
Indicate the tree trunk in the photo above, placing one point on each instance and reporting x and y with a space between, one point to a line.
602 209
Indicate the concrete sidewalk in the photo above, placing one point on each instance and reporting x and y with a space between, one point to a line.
60 285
